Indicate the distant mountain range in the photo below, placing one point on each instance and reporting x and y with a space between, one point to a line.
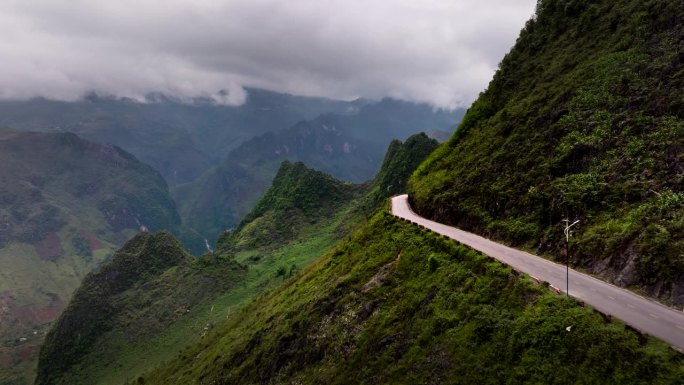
219 159
183 140
348 146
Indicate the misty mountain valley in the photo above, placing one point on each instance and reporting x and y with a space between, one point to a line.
331 192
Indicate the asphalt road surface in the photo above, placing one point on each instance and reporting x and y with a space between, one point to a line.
643 314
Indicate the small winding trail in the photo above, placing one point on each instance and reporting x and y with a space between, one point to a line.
641 313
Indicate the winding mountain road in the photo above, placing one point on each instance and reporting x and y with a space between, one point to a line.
643 314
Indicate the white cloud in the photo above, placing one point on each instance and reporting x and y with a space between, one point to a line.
439 51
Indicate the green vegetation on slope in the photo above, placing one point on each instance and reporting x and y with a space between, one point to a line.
65 205
583 120
298 196
303 214
396 304
41 172
154 266
298 187
303 204
400 161
151 313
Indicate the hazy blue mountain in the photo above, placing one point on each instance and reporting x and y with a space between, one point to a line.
219 159
350 147
181 140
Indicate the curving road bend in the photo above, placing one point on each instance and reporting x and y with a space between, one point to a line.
641 313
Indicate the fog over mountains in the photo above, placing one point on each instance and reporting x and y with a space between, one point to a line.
205 192
427 51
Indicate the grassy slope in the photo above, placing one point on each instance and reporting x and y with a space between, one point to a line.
150 284
298 197
583 120
396 304
400 160
133 345
303 214
128 359
65 205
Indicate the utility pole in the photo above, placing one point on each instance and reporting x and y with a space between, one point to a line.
568 225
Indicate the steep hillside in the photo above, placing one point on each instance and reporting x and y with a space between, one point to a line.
397 305
154 299
150 284
400 160
304 213
298 196
584 120
65 205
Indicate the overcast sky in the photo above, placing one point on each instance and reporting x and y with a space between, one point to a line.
438 51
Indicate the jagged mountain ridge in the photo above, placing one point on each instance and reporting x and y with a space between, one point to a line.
399 160
181 139
349 147
298 195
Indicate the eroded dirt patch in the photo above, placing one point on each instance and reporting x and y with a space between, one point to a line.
381 276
